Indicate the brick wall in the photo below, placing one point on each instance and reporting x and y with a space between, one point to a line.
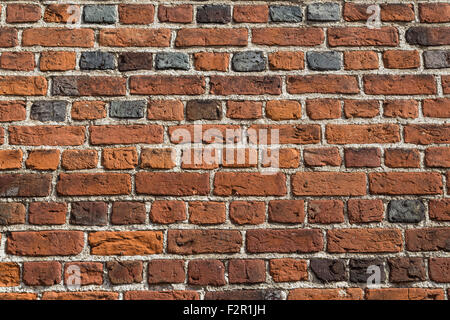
95 185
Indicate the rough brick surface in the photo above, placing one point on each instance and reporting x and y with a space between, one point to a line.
229 149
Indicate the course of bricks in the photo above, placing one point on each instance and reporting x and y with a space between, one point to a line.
91 178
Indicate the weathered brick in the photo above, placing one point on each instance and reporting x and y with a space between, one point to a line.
328 270
9 274
43 159
364 211
130 61
360 37
79 159
325 211
19 61
136 13
409 211
172 183
89 213
359 269
286 211
405 294
124 272
203 109
22 13
167 85
364 240
247 212
12 213
214 14
328 183
99 14
203 241
172 60
81 184
57 61
167 211
285 13
47 213
207 212
166 271
287 270
326 294
425 36
175 14
126 134
362 133
402 158
406 269
246 271
428 239
128 212
211 37
242 183
134 37
323 12
58 37
14 110
362 157
322 84
248 61
250 13
439 269
46 273
284 240
439 209
288 36
126 243
400 183
97 60
49 111
25 185
127 109
90 273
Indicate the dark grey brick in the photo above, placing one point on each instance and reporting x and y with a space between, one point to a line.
328 270
203 109
323 12
89 213
409 211
129 61
437 59
172 60
248 61
49 110
329 60
99 14
127 109
359 270
97 60
214 14
285 14
65 86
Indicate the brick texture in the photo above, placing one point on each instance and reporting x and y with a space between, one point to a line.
139 149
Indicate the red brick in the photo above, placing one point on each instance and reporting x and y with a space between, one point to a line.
47 213
286 60
12 213
10 159
58 37
362 133
126 243
19 61
136 13
9 274
62 13
251 14
407 109
23 85
124 272
161 295
288 270
245 184
166 271
8 37
319 157
207 212
359 37
211 61
401 183
360 60
46 135
81 295
165 110
436 108
326 294
134 37
46 273
362 157
175 14
126 134
83 184
206 272
427 239
284 240
246 271
365 211
244 109
399 84
439 209
172 183
247 212
427 133
22 13
43 159
88 110
249 85
283 109
397 12
18 296
364 240
25 185
329 184
128 212
401 59
14 110
288 36
210 37
404 294
119 158
79 159
203 241
45 243
322 84
434 12
437 157
321 109
286 211
440 269
167 85
402 158
361 108
325 211
168 211
90 273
